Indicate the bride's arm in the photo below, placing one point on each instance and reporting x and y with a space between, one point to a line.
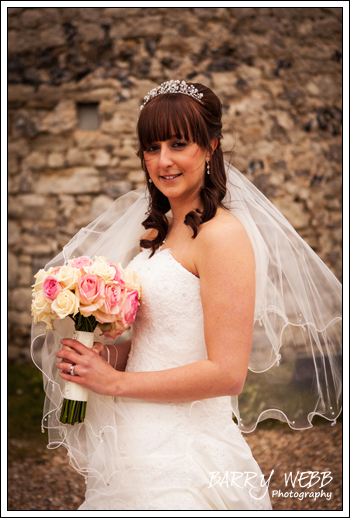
225 263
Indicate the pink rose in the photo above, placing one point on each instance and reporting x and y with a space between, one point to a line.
118 275
90 292
112 330
128 313
111 305
79 262
51 288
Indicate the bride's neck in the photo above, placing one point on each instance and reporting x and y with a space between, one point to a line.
180 210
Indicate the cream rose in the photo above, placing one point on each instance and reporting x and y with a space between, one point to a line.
41 310
131 281
68 276
100 259
66 303
101 269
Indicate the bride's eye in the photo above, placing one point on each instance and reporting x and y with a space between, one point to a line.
180 144
152 149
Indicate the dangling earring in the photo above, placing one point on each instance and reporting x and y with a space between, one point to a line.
208 167
150 180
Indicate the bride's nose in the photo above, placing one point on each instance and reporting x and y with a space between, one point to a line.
165 159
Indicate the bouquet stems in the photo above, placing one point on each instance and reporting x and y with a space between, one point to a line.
74 410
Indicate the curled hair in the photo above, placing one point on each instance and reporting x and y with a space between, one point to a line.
184 117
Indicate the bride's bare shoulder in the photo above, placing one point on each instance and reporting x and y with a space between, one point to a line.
223 244
222 221
221 230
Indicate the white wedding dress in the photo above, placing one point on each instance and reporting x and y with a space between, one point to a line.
171 456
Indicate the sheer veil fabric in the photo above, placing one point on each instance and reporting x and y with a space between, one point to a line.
296 360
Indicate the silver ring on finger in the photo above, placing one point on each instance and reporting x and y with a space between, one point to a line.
72 370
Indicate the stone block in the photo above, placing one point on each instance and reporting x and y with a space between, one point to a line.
228 142
76 156
136 176
102 158
39 248
133 162
25 259
114 162
14 232
19 41
141 88
107 107
25 277
67 205
56 160
14 209
33 205
114 190
52 37
51 143
19 93
90 31
96 95
99 206
334 204
171 43
45 96
31 18
20 299
12 164
18 147
13 271
20 318
126 150
62 119
120 123
121 13
36 160
333 188
92 139
336 152
294 212
26 181
70 181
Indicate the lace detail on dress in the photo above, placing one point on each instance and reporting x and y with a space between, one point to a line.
166 452
168 331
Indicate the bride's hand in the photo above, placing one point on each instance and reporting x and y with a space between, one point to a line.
91 370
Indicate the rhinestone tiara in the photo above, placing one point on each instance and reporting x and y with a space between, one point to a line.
172 87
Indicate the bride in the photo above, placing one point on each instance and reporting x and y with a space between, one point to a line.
159 433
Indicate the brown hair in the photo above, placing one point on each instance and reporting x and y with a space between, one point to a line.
185 117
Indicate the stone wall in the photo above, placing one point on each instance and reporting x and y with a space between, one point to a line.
278 72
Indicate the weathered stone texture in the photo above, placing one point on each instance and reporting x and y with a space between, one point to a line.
278 72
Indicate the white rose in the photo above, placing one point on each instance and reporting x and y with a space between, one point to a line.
41 309
100 259
102 270
66 303
131 281
68 276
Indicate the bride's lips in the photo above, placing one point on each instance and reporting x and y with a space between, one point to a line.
170 177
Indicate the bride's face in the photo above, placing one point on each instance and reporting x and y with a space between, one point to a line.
176 167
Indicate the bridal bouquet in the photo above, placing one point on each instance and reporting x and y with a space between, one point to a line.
92 293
